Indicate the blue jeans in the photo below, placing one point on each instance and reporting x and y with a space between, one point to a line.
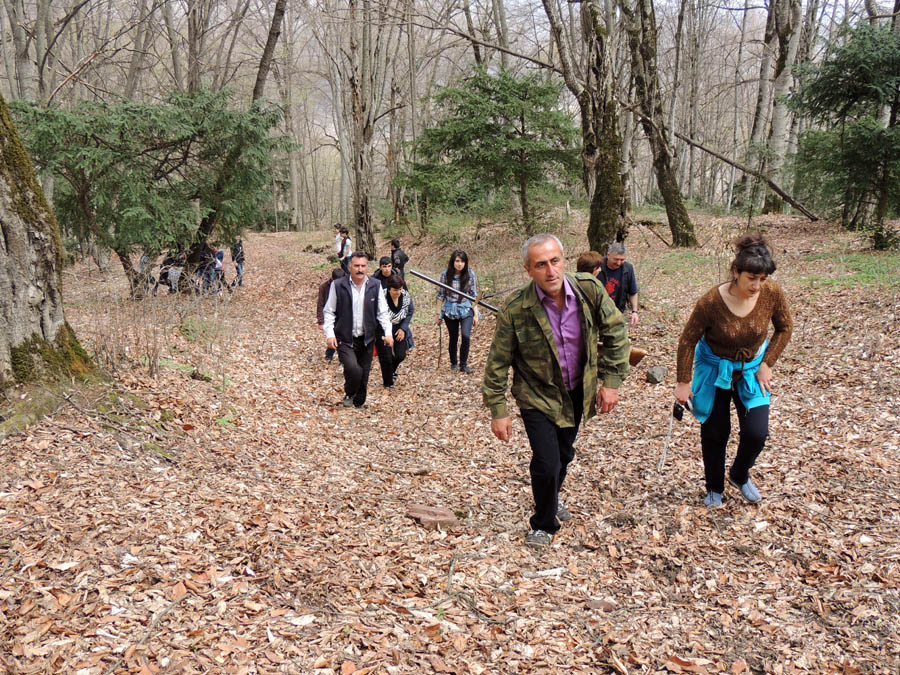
239 270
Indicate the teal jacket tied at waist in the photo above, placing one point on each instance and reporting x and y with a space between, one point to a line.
711 371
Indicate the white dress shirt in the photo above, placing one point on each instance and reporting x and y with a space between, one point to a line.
357 295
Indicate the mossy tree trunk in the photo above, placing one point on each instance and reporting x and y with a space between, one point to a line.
33 334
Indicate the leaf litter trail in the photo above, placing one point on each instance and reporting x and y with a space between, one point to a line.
251 524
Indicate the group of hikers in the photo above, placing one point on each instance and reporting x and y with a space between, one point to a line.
566 339
209 274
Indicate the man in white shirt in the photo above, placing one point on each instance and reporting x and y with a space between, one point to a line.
354 309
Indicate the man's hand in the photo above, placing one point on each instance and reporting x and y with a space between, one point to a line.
764 377
388 341
634 319
502 428
331 343
607 398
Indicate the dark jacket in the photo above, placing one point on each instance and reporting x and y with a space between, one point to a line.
524 340
323 298
628 282
343 315
398 260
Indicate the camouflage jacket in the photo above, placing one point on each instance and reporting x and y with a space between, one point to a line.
524 340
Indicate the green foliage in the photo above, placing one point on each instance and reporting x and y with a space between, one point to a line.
143 175
853 157
879 269
498 132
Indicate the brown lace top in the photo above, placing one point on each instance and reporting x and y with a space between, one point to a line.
737 338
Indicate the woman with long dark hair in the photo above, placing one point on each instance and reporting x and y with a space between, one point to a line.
725 342
456 311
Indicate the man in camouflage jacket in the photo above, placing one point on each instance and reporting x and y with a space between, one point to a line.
548 331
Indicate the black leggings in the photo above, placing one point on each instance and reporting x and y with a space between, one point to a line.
714 433
453 328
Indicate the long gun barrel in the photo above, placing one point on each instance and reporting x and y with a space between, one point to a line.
450 288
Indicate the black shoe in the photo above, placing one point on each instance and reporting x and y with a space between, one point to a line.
454 367
348 401
466 370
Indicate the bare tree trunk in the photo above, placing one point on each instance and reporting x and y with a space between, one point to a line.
787 27
642 37
593 85
734 121
265 61
24 66
502 33
470 27
174 40
31 310
763 105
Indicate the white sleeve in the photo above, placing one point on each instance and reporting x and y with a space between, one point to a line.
329 311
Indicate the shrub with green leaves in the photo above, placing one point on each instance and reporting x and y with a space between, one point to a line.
141 175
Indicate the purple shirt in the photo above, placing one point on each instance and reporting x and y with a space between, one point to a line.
566 326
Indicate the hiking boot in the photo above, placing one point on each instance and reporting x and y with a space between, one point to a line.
466 370
748 490
347 402
713 500
538 539
454 367
562 513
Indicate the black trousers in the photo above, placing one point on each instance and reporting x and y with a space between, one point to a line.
714 433
552 449
390 358
356 358
454 327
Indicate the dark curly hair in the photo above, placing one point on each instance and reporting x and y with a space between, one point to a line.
753 255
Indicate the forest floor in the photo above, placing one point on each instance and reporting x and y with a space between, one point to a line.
220 512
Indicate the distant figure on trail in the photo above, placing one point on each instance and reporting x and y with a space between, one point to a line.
617 276
206 269
169 271
324 287
398 257
237 257
354 310
345 249
555 384
337 240
456 311
220 270
386 271
400 308
725 343
589 262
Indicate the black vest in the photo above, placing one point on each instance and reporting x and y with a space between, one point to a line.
343 315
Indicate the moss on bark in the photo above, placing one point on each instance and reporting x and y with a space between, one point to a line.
36 358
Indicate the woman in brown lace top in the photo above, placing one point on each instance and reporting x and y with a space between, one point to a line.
725 344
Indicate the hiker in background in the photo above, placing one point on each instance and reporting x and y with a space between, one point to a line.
337 240
400 309
220 270
589 262
386 271
725 343
345 250
237 257
354 310
618 278
398 257
324 287
456 311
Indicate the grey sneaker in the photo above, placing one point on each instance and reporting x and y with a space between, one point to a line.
347 402
713 500
454 367
466 370
538 539
562 513
748 491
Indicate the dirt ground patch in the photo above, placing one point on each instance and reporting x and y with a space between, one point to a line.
215 510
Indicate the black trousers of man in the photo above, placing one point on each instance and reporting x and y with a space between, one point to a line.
390 358
356 358
552 449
